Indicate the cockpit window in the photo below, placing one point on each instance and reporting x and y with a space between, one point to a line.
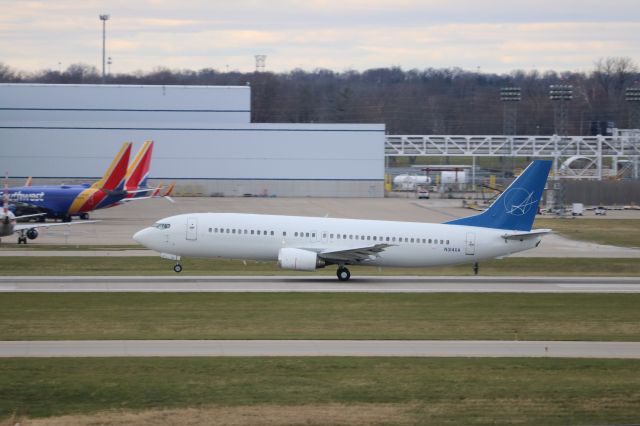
162 225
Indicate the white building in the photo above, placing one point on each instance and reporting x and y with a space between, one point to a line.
203 140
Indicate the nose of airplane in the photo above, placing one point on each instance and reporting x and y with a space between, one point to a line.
142 236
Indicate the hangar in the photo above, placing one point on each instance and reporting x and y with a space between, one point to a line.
204 141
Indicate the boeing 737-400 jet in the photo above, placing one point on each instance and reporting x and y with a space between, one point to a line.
308 243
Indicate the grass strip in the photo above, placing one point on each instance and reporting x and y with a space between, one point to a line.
615 232
425 391
493 316
112 265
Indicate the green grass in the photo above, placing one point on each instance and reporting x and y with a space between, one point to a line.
428 391
88 316
615 232
113 265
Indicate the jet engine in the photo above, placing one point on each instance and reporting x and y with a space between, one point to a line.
299 260
32 234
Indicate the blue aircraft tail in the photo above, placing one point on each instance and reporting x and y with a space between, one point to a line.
515 209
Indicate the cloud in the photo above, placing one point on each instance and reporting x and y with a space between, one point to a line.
496 35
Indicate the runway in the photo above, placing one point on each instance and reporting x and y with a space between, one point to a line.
278 348
308 284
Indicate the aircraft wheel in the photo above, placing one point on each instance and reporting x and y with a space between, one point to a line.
66 218
22 240
343 274
476 268
177 268
84 216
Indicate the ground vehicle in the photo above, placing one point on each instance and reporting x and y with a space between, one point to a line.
422 193
600 211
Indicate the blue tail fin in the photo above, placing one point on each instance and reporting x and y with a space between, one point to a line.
515 208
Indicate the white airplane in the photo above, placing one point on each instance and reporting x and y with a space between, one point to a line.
9 225
308 243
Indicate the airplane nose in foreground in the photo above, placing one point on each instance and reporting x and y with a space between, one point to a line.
142 236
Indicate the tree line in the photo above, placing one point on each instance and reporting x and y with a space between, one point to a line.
428 101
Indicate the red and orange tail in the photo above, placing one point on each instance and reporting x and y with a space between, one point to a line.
156 191
170 190
115 176
138 171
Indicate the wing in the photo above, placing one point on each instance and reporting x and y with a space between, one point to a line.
19 227
353 254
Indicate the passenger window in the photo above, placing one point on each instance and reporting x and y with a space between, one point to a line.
313 235
447 242
307 235
252 231
284 233
271 232
429 240
374 238
441 241
368 237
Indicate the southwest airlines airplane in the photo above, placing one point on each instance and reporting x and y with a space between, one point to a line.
308 243
9 225
119 184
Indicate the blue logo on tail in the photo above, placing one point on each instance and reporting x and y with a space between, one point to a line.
515 208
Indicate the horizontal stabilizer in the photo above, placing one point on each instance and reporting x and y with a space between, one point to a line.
526 235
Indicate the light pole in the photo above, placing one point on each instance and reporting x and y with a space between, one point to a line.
510 96
632 95
104 19
560 95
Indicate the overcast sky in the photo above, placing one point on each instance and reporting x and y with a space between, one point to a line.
490 35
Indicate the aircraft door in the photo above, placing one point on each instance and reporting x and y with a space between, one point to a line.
192 228
470 244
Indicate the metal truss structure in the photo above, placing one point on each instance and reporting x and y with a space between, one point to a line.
575 157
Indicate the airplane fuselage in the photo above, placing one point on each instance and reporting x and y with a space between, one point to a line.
64 200
262 237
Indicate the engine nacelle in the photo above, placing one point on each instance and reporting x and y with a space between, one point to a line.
299 260
32 234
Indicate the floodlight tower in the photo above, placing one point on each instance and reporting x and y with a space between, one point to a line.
632 95
560 95
510 96
260 62
104 19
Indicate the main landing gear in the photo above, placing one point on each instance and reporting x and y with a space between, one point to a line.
343 273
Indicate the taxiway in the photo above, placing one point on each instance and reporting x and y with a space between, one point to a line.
314 284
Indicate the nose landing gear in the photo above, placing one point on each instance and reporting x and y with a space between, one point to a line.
343 273
177 268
